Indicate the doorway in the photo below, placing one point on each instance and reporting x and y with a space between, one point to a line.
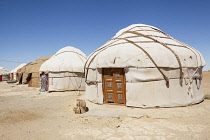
29 80
12 77
20 78
114 85
44 82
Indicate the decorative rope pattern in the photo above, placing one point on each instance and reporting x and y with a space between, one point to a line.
177 57
112 42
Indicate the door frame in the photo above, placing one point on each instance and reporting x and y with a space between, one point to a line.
115 94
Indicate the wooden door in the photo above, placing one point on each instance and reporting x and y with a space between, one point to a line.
114 85
0 78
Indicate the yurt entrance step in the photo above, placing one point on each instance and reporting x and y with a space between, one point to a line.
114 85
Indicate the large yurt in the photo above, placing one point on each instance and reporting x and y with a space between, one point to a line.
141 66
4 74
13 75
64 70
29 74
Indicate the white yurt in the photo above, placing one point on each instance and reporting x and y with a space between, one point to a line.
13 73
65 70
141 66
4 74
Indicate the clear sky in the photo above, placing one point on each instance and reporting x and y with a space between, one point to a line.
30 29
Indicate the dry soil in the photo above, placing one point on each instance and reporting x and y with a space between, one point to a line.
27 114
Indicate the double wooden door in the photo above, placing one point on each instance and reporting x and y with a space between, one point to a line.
114 85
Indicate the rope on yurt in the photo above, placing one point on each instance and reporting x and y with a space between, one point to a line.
192 50
177 57
99 50
72 52
73 84
183 45
164 76
78 87
165 45
109 45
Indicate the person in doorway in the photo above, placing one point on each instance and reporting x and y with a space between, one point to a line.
43 79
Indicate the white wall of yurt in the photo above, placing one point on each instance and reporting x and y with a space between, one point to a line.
4 74
65 70
160 71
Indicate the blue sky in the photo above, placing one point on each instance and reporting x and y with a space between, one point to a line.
30 29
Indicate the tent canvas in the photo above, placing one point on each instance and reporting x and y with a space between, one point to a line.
65 70
29 74
13 75
159 70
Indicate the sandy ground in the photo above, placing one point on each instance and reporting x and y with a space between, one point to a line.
27 114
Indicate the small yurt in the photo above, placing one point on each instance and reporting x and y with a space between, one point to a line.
29 74
141 66
64 71
4 74
13 75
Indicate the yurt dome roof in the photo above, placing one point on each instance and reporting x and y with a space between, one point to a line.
18 67
144 46
66 59
72 50
3 71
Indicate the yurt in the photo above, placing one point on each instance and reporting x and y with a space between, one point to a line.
64 71
13 76
141 66
29 74
4 74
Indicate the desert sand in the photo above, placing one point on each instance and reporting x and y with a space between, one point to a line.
27 114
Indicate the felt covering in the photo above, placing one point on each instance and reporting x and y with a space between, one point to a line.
65 69
160 70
